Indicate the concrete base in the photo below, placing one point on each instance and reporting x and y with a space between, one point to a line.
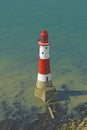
46 94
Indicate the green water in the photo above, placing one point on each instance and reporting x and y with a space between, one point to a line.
21 22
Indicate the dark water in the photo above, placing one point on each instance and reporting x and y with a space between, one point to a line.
21 22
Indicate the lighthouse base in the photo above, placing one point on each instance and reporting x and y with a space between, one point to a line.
48 95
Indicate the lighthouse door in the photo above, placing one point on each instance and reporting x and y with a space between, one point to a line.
46 78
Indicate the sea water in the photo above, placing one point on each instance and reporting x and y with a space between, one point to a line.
21 22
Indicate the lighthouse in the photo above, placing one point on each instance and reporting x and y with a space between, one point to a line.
44 87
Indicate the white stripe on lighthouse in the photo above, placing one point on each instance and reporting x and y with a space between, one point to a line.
44 78
44 52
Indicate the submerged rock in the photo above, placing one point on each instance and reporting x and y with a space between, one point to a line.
43 121
8 124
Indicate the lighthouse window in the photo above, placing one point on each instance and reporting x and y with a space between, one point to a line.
46 47
42 52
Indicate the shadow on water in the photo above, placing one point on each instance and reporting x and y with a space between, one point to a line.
66 93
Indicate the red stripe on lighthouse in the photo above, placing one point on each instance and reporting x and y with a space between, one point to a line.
44 66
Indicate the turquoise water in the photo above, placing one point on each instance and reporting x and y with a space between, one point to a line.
21 22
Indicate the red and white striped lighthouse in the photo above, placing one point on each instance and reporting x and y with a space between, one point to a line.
44 88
